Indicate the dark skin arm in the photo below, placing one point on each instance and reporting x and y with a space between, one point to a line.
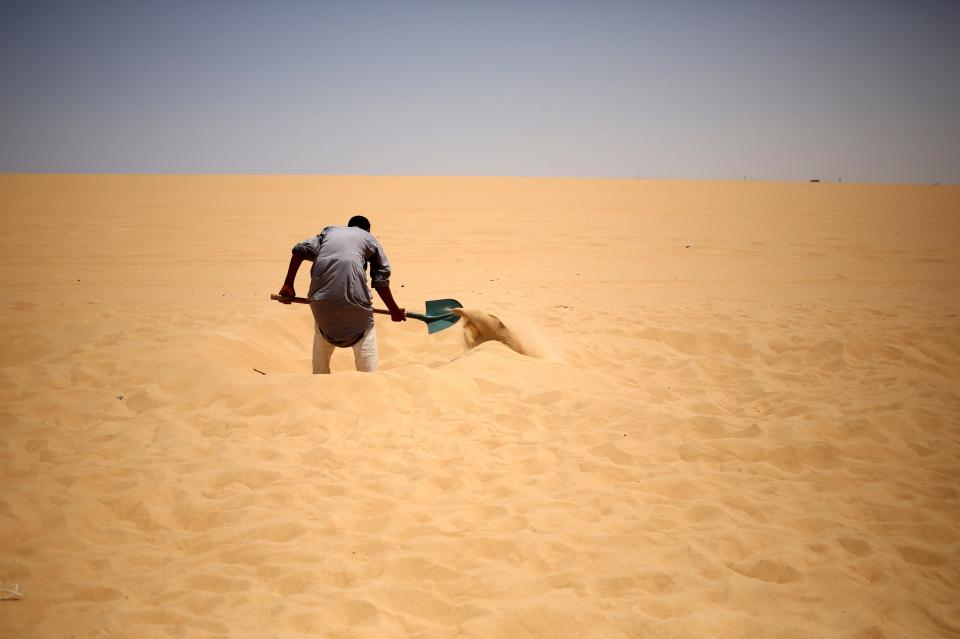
287 289
397 314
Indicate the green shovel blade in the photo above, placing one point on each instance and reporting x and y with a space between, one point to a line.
439 314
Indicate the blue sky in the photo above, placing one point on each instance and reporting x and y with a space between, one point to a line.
866 91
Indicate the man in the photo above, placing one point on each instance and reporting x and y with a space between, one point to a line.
339 297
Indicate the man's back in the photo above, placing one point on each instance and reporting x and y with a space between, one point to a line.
338 289
338 268
339 297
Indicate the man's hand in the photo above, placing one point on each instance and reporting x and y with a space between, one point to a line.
397 314
287 291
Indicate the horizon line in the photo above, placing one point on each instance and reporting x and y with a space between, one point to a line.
829 180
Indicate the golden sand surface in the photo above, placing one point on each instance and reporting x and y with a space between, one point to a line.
738 414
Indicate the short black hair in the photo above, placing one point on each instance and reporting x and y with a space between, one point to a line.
360 221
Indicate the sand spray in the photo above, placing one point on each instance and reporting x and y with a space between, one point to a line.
521 335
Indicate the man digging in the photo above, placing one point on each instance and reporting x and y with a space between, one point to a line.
339 296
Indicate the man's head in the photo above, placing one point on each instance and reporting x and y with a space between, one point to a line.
360 222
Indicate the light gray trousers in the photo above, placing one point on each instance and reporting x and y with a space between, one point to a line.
364 352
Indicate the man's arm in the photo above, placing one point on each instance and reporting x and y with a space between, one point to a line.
287 289
397 314
308 249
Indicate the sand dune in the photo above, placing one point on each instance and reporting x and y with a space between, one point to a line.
678 409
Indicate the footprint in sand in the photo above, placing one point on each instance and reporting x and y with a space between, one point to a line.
768 570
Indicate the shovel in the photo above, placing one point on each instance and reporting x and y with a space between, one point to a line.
438 316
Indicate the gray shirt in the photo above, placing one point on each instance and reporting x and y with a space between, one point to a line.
339 297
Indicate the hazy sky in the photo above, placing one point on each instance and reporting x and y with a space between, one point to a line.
864 90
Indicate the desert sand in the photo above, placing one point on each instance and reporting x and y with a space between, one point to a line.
736 412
